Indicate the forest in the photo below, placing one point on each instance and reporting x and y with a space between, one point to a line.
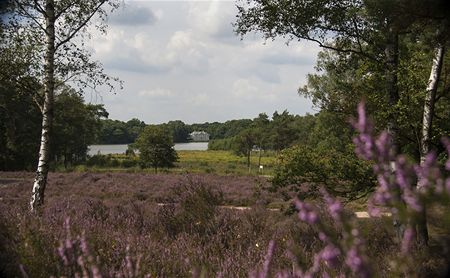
273 196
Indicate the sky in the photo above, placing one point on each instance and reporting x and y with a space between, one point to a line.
181 60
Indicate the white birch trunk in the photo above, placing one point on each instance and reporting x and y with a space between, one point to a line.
428 108
427 121
37 196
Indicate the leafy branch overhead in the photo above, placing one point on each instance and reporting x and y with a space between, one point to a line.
74 21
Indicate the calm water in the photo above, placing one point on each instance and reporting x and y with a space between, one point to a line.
119 149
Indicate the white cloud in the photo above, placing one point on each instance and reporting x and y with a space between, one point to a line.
212 18
156 93
133 15
247 90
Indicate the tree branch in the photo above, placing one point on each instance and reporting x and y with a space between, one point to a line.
326 46
63 10
82 24
33 18
38 7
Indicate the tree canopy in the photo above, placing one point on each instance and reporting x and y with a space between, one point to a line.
156 148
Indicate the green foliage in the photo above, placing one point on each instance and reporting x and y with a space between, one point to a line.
223 130
221 144
342 80
19 129
244 143
180 131
118 132
282 133
307 169
76 126
155 146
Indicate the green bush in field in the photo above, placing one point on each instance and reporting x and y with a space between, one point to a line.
99 160
309 168
156 148
226 144
128 163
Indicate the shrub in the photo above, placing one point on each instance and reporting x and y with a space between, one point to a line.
309 169
128 163
195 209
98 160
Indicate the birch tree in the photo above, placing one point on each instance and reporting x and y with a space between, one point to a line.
427 120
52 35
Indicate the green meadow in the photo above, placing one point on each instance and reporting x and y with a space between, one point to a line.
217 162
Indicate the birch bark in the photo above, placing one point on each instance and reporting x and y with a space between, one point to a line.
427 122
40 182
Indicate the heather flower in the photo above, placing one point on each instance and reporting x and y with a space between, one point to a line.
330 255
446 142
351 245
334 206
373 210
407 240
306 212
356 262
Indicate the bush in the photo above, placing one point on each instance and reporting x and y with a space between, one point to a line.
226 144
195 209
128 163
308 169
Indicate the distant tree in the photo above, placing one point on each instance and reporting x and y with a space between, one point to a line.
261 131
180 131
156 148
133 127
243 144
283 133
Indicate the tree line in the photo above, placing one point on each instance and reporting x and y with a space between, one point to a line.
120 132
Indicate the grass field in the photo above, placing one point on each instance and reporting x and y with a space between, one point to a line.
218 162
224 162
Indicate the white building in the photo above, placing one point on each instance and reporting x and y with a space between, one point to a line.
199 136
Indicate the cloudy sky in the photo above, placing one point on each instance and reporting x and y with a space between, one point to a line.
180 60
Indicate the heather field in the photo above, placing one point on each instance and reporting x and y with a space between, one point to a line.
172 225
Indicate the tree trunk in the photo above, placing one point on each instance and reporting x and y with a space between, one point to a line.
248 160
37 196
391 52
391 79
427 120
259 159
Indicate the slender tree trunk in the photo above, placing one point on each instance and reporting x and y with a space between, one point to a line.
427 121
391 52
37 196
259 158
248 160
391 79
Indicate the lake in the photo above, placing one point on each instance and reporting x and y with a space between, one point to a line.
120 149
